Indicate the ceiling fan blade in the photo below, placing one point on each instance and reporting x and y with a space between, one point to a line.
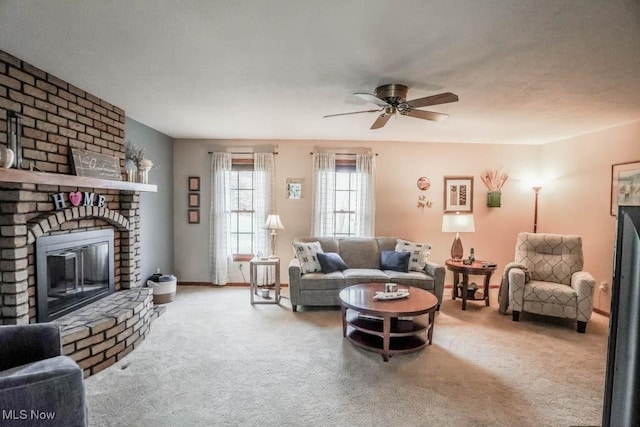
381 121
425 115
441 98
372 98
354 112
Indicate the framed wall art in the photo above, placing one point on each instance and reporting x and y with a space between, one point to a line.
194 200
294 188
458 194
194 216
625 185
194 183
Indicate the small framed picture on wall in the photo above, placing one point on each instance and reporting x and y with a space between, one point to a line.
194 216
458 194
194 200
625 185
194 183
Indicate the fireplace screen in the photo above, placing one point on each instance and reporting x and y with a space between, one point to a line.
72 271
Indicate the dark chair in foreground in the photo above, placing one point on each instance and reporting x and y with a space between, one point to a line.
547 278
38 385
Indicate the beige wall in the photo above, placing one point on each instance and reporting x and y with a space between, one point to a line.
576 195
575 198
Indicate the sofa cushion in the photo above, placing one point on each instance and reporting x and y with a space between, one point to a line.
317 281
396 261
307 255
360 252
419 253
354 276
331 261
412 278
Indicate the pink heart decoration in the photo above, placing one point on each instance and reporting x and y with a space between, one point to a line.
75 197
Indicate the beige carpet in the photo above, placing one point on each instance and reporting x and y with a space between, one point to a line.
213 359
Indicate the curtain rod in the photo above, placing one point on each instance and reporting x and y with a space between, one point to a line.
243 152
345 154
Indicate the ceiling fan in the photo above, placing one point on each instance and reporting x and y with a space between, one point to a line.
392 99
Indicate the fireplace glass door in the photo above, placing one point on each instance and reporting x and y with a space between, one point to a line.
73 270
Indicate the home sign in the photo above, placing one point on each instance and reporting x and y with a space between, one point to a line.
78 198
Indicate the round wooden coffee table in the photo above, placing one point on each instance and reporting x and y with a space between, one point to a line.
382 326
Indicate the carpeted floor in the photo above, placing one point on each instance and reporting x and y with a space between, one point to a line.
213 359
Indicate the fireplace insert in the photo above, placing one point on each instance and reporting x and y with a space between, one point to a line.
73 270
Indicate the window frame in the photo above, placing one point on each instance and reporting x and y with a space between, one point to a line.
239 165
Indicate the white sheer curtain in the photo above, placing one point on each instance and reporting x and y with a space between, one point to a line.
264 184
324 185
365 195
219 218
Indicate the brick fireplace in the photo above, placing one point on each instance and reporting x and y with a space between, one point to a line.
56 116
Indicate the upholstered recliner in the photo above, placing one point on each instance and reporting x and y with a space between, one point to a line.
547 278
39 386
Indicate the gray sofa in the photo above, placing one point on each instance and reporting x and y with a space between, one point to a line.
38 385
362 256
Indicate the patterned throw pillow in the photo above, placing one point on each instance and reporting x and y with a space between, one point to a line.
419 253
307 255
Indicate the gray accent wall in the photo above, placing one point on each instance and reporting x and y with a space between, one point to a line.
156 209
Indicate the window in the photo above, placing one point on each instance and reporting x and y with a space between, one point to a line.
242 209
345 201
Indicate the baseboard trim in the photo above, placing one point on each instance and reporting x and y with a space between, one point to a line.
239 284
601 312
490 286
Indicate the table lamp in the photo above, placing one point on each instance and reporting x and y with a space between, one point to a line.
457 223
273 223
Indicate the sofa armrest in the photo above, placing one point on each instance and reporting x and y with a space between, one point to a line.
584 284
295 274
438 272
22 344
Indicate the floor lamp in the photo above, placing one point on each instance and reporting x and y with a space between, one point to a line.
458 223
536 188
273 223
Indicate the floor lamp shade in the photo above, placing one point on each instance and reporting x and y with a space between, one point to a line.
458 223
273 223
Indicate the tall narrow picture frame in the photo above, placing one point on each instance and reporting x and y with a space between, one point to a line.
625 185
194 183
458 194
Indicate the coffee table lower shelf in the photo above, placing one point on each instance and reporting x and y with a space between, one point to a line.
404 335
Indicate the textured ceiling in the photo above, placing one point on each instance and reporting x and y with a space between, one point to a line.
526 71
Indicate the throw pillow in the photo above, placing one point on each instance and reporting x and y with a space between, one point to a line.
330 262
419 253
307 255
396 261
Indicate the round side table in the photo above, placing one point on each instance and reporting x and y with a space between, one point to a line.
479 268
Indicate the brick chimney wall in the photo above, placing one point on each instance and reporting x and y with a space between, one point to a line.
55 116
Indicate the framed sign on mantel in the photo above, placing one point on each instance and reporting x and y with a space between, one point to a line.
95 165
458 194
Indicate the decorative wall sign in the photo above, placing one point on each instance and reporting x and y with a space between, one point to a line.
458 194
95 165
77 198
423 183
625 185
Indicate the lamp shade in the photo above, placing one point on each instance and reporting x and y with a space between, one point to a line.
458 223
273 223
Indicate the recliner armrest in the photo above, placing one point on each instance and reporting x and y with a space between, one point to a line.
583 283
22 344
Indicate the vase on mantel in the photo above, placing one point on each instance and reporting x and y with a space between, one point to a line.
144 166
7 157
